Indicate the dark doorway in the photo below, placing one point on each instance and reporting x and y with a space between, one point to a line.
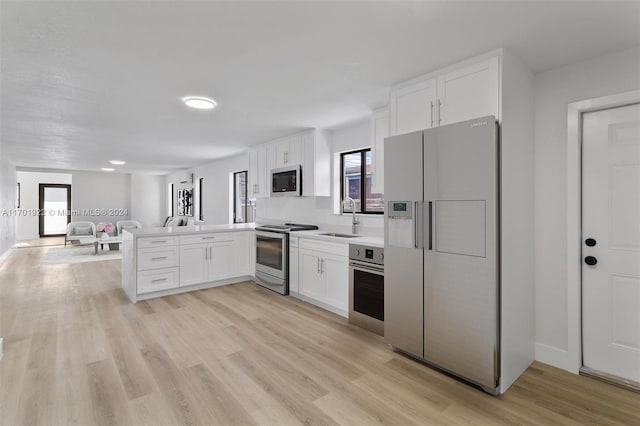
54 204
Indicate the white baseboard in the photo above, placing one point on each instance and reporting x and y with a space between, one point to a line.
6 254
552 356
320 304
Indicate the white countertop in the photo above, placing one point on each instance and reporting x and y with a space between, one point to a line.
199 229
187 230
361 239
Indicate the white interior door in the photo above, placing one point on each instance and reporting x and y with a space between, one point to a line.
611 241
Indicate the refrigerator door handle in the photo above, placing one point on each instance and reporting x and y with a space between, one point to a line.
418 225
430 225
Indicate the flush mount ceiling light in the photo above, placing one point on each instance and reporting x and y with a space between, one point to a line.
199 102
118 162
107 169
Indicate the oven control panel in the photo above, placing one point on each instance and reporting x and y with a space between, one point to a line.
366 254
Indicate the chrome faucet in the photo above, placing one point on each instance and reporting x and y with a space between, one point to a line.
355 222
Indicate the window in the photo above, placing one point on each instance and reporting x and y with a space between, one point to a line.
172 201
240 199
354 165
200 207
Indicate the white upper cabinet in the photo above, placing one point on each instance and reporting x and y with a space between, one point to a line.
285 152
413 107
316 164
459 93
469 92
379 131
258 178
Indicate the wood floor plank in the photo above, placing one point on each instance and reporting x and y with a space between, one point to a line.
109 401
214 396
77 352
131 368
73 394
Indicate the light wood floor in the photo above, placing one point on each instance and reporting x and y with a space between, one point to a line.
77 352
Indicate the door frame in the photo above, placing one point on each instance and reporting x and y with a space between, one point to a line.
41 213
574 215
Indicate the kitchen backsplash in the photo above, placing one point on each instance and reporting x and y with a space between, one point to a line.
314 210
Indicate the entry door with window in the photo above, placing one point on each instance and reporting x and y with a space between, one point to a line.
55 209
611 242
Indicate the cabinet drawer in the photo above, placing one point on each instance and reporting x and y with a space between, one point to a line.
158 279
324 247
206 238
157 257
156 242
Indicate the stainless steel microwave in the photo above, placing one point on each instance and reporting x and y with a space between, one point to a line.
286 181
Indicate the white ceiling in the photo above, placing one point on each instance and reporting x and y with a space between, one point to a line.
86 82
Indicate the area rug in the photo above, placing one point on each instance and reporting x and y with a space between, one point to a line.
78 254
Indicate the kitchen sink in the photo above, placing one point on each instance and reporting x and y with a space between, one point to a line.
333 234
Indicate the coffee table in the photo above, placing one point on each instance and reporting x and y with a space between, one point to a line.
105 240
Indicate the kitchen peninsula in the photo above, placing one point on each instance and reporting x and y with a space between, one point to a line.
162 261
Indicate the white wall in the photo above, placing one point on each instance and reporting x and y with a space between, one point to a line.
27 224
148 199
320 210
7 204
110 192
606 75
216 193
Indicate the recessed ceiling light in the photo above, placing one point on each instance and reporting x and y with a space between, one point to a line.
199 102
107 169
118 162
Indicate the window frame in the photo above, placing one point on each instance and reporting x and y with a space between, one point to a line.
363 181
235 196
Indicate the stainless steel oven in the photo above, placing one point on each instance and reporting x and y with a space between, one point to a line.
272 260
366 287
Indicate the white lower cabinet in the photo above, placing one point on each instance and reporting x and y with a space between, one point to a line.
244 253
194 264
311 284
324 274
158 279
206 261
294 267
221 262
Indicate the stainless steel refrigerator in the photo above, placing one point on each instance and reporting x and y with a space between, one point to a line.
441 248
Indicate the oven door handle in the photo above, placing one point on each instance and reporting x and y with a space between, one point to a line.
363 266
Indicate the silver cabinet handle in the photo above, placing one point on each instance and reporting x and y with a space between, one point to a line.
159 258
158 241
208 238
318 265
431 110
322 266
439 112
159 280
210 253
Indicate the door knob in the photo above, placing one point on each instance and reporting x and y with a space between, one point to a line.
590 242
590 260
